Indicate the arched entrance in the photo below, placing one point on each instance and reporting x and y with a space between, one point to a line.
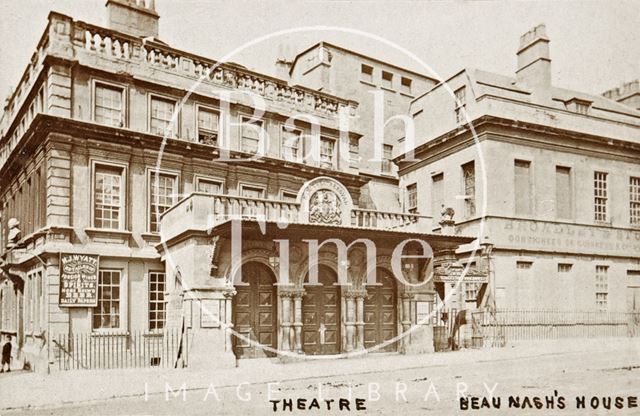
380 312
254 312
321 315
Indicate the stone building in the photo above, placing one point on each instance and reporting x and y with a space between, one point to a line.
627 94
124 165
550 176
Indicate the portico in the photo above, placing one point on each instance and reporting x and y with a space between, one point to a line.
296 280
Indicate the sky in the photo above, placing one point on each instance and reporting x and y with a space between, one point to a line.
595 45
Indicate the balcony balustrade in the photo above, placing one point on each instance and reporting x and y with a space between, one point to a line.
91 45
201 211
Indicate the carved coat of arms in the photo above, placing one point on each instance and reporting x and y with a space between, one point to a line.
325 208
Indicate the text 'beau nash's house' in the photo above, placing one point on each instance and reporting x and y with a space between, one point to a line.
82 193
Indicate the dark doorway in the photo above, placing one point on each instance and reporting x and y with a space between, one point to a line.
321 315
380 317
254 312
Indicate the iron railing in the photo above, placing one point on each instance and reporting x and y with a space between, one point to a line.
532 324
165 349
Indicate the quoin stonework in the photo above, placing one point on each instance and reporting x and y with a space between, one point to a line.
159 208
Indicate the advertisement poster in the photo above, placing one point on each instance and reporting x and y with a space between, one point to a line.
78 280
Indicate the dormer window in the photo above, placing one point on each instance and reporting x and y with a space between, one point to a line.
582 108
579 106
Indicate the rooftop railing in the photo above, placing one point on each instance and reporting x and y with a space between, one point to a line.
109 43
77 40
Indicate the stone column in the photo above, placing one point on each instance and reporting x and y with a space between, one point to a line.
360 320
228 334
405 319
285 301
297 321
350 320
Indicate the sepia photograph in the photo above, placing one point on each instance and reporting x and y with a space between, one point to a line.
375 207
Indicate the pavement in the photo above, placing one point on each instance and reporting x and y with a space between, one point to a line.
25 390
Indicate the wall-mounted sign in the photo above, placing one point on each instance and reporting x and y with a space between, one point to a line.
423 310
175 309
458 273
78 280
209 313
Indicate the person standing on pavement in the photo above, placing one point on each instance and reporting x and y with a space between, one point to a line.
6 355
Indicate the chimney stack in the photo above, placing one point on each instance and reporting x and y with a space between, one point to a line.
134 17
283 61
534 60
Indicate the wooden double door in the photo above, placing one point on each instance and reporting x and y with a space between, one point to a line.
380 313
321 315
255 312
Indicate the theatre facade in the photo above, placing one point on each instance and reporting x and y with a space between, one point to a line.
248 285
128 169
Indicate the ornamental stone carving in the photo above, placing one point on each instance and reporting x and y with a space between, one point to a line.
324 200
14 232
325 208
